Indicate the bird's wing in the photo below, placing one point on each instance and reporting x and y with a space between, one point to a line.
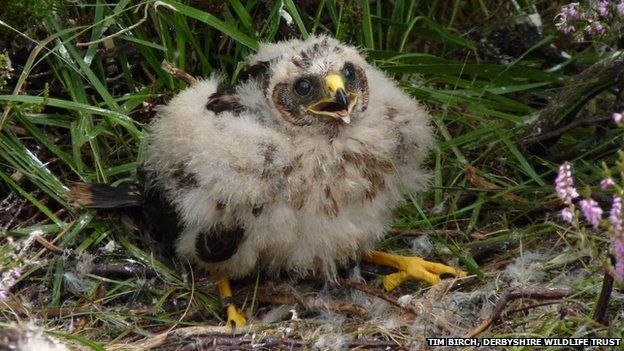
409 123
206 159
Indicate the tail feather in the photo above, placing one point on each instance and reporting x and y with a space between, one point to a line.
105 196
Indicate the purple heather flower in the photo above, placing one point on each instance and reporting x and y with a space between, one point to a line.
3 294
571 11
595 28
615 216
568 214
617 117
591 211
620 8
568 29
564 184
603 9
607 183
618 251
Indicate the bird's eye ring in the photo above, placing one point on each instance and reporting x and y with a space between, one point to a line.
303 87
348 71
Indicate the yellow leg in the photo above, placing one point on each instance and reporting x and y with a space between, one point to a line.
235 317
409 268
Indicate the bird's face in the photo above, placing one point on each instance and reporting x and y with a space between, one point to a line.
320 87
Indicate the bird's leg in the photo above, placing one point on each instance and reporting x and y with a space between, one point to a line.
235 317
409 268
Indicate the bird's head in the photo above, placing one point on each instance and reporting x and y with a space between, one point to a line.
317 82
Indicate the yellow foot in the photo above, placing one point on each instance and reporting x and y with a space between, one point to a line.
410 268
235 317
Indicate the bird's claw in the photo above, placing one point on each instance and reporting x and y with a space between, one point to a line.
419 269
235 317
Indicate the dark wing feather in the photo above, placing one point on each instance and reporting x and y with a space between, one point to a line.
219 244
224 99
258 71
105 196
160 219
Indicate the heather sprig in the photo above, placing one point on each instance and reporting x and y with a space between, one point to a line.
591 210
617 235
564 185
591 19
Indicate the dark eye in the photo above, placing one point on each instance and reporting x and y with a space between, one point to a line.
303 87
348 71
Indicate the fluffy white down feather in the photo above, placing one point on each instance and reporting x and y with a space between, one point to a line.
228 154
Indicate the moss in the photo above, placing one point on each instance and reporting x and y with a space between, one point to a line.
26 16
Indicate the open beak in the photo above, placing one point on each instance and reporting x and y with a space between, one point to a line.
339 105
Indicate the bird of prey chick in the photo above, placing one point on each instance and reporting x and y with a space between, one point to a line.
296 168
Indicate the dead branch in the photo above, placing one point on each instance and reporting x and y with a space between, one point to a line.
192 332
48 245
378 293
537 294
122 271
565 105
530 307
178 73
544 137
250 343
312 303
600 313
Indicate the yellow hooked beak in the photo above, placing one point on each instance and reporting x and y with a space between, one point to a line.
334 83
340 104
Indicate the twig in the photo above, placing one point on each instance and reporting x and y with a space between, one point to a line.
565 105
189 332
180 74
600 312
378 293
312 303
560 131
539 294
530 307
425 302
250 343
125 30
123 271
57 238
48 245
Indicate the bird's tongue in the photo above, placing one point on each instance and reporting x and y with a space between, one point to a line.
334 109
331 106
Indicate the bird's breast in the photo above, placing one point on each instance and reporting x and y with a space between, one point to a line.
326 183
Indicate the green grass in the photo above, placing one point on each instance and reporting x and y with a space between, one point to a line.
77 112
